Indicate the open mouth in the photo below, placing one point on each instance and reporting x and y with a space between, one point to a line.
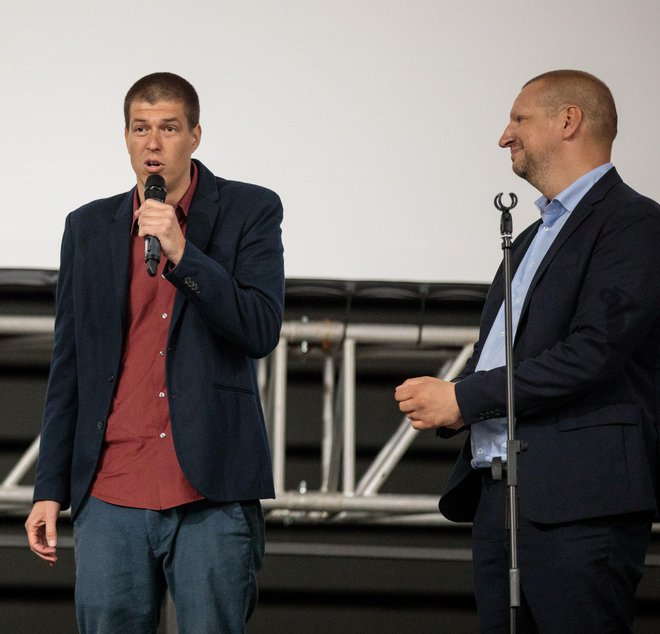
153 165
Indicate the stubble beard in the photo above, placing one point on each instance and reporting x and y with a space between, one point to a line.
533 169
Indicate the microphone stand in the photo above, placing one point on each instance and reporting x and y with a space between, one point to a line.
513 445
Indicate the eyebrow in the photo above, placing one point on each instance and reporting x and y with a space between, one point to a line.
162 121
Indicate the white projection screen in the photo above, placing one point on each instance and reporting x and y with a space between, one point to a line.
376 121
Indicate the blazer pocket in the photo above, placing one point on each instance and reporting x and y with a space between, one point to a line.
619 414
233 388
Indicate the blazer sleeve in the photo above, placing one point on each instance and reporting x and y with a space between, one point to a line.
53 476
240 297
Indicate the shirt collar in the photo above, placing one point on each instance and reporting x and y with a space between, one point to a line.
567 200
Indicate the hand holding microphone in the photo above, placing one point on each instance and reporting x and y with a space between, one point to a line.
159 226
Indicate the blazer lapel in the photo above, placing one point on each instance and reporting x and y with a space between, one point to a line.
120 243
202 218
496 291
204 210
583 210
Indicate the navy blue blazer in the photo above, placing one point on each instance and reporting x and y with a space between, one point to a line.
227 312
585 354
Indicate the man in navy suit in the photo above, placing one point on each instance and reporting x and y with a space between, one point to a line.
586 318
153 431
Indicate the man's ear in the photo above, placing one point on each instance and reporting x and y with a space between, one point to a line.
197 136
571 117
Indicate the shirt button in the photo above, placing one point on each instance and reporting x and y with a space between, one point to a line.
161 394
162 353
163 435
546 228
164 315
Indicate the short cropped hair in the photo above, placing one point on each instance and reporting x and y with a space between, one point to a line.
590 94
164 87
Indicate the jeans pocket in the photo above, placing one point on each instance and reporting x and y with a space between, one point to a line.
251 511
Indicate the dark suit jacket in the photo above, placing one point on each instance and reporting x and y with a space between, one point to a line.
227 312
585 355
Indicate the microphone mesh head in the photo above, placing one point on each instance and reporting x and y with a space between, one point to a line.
155 188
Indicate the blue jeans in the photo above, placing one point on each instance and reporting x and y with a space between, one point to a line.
207 554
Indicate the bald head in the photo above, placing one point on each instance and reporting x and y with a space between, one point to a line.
561 88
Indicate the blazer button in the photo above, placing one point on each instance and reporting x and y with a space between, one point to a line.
100 425
111 378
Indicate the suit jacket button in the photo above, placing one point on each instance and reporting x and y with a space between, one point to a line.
100 424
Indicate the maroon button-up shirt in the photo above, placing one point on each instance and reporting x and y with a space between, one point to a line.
138 466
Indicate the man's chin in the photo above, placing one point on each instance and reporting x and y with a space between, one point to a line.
520 169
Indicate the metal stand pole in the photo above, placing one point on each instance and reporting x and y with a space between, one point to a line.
513 445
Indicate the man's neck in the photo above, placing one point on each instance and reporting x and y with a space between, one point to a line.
574 169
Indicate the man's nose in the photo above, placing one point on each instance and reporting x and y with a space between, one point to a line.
507 138
153 140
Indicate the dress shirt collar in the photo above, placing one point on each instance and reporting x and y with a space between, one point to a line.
568 199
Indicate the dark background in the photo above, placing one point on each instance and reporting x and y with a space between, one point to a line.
416 579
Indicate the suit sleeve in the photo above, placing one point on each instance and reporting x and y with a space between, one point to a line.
242 300
617 309
61 406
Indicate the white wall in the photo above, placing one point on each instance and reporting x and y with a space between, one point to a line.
375 120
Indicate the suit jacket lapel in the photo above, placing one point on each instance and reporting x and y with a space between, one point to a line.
120 244
496 291
202 218
583 210
204 210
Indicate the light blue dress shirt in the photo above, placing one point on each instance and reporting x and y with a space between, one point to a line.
489 437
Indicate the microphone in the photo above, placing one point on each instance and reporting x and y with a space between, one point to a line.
154 188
